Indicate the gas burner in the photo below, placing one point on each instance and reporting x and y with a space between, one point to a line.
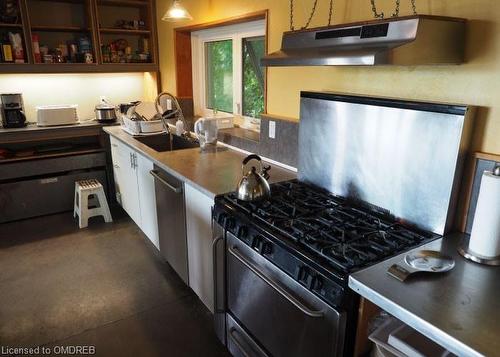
347 236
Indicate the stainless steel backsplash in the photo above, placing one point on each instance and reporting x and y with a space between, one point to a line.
404 157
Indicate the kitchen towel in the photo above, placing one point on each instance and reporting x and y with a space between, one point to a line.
485 235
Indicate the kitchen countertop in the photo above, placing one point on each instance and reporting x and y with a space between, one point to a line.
213 173
33 127
32 132
459 309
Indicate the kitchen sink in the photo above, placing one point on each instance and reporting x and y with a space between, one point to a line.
168 142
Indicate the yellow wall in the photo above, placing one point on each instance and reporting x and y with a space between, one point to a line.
477 82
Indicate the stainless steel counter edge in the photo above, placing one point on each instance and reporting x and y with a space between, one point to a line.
150 153
424 327
360 281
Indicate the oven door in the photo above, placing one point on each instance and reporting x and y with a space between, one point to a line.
274 311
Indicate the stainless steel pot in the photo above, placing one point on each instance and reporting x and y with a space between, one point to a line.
105 112
253 185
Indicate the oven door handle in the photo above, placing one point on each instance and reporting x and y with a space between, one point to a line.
317 314
232 333
215 272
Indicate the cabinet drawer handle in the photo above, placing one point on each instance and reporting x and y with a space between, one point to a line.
235 252
114 145
154 173
116 166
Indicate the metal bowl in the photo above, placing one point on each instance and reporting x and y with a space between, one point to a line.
430 261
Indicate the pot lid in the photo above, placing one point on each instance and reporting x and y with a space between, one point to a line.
104 106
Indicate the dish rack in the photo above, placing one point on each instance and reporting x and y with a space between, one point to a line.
150 127
142 127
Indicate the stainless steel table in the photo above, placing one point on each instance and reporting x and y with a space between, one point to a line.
459 309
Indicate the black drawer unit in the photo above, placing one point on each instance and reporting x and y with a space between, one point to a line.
37 187
44 195
39 167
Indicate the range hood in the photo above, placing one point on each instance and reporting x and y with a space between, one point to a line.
411 40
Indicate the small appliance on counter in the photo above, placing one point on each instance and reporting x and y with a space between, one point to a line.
12 110
105 112
51 115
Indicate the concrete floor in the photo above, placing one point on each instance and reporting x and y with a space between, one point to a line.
102 286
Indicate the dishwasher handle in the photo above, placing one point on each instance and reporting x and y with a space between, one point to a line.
155 174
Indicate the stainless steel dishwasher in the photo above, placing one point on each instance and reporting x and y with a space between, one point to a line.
171 220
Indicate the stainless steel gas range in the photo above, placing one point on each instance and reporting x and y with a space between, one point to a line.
376 177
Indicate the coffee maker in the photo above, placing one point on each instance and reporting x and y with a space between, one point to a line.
12 110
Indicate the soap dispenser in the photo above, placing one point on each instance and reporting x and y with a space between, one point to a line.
179 127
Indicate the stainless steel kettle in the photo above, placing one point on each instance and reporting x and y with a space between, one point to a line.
253 185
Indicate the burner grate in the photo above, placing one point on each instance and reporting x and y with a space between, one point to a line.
348 237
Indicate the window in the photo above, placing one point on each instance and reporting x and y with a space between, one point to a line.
219 75
253 76
227 75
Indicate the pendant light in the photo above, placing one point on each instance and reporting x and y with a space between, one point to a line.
176 12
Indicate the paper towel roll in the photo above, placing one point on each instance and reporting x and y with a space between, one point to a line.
485 235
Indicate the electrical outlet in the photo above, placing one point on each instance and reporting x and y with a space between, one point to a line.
272 129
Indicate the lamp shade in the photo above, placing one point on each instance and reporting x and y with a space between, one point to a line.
176 12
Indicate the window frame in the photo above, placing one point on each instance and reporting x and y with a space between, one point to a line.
236 33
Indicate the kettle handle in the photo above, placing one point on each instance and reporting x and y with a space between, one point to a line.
248 159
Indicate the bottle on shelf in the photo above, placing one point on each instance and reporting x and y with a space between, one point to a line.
16 42
6 50
36 48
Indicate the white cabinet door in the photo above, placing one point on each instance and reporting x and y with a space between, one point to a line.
115 144
147 199
199 240
126 182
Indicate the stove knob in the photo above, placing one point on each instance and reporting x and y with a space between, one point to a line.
267 248
242 232
221 218
230 224
317 283
257 243
304 276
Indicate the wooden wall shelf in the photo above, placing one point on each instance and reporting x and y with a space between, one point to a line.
77 67
60 29
96 22
131 3
68 1
124 31
11 26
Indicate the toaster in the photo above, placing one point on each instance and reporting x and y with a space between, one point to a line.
49 115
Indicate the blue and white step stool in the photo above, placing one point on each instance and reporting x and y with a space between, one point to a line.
99 205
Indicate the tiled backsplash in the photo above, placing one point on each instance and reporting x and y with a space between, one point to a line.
283 148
